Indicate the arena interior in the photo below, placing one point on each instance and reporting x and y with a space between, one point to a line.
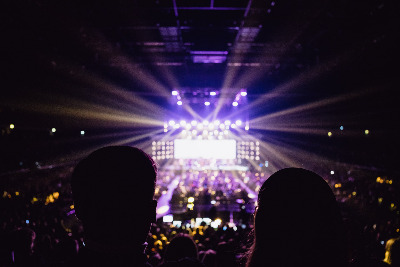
220 93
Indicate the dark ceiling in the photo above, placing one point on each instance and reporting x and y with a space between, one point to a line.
285 53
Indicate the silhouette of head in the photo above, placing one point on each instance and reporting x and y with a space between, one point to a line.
181 246
297 222
113 191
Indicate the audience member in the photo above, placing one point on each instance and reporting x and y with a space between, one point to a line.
113 191
297 222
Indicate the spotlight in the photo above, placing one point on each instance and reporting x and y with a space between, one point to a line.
171 123
194 123
235 104
188 126
179 103
247 128
222 126
216 122
82 133
207 103
182 123
174 92
238 122
200 126
227 122
213 93
53 130
243 93
12 126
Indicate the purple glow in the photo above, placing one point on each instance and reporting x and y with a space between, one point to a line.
174 92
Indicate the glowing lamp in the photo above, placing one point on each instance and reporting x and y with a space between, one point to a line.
12 126
174 92
206 103
179 103
235 104
213 93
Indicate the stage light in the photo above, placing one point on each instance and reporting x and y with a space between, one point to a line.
233 126
200 126
227 122
174 92
207 103
238 122
165 130
216 122
194 132
182 123
190 199
243 93
12 126
341 128
332 172
53 130
213 93
188 126
366 132
329 134
222 126
211 126
205 132
247 128
194 123
179 103
82 133
171 123
176 126
235 104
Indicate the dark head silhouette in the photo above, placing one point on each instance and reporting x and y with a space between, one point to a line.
297 222
181 246
113 191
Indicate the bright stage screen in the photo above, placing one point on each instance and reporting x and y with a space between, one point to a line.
205 149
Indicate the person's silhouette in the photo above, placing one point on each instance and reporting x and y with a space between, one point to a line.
297 222
113 190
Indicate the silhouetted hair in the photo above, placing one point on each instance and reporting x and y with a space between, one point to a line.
297 222
181 246
112 186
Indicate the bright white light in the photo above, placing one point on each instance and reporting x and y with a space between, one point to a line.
82 132
250 195
238 122
182 123
207 103
194 132
247 128
205 122
188 126
213 93
243 93
222 127
165 130
171 123
179 103
216 122
168 218
206 149
332 172
190 199
53 130
176 126
174 92
235 104
12 126
227 122
200 126
233 126
194 123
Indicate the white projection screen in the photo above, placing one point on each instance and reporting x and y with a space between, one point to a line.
204 149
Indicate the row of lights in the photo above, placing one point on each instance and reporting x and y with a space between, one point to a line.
204 125
52 131
235 103
366 132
